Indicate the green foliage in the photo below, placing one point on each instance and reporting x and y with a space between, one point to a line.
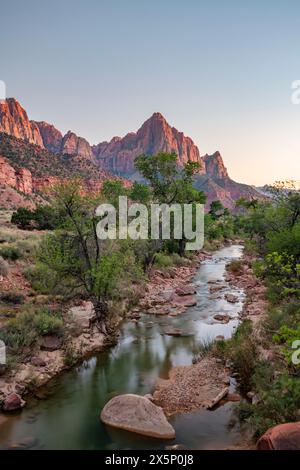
163 260
24 330
242 351
22 218
44 217
280 403
10 252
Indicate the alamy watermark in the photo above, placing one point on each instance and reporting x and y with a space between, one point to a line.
2 353
158 222
2 90
295 96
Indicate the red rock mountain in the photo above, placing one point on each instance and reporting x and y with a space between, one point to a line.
97 162
155 135
14 121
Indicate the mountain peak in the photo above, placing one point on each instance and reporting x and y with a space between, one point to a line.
154 136
214 165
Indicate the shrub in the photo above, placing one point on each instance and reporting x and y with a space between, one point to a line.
11 253
242 351
22 218
24 330
46 323
280 404
236 267
162 260
4 268
12 298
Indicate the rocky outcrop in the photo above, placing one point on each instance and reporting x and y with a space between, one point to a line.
52 137
155 135
19 178
14 121
137 414
282 437
214 166
74 145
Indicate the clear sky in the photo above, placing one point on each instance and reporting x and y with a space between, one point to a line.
220 71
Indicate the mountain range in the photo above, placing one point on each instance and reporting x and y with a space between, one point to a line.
37 152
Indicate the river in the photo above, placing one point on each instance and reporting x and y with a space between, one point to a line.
65 414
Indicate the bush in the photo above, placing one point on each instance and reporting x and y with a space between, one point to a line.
10 253
24 330
162 260
242 351
280 404
22 218
47 323
4 268
12 298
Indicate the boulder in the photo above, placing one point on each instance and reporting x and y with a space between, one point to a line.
173 332
231 298
50 343
222 318
137 414
38 361
185 290
13 402
282 437
184 301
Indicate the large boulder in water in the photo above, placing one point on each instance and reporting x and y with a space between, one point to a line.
137 414
282 437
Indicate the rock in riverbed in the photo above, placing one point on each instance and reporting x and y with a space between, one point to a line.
233 299
222 318
13 402
137 414
282 437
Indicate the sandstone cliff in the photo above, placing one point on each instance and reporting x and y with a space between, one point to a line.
155 135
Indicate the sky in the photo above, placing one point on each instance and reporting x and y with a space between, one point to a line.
220 71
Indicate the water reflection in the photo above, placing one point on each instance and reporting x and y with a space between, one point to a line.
69 417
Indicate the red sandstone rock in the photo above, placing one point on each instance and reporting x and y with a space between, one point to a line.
14 121
13 402
282 437
155 135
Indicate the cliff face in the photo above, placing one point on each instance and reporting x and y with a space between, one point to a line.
155 135
214 166
29 170
74 145
17 178
52 137
14 121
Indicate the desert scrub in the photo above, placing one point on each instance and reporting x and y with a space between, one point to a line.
25 329
71 356
12 298
242 351
4 267
10 252
235 267
163 260
278 404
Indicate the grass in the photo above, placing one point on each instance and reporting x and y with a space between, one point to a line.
25 329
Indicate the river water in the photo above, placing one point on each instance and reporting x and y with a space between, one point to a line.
66 414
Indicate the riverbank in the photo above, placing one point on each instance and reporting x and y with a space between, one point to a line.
53 355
